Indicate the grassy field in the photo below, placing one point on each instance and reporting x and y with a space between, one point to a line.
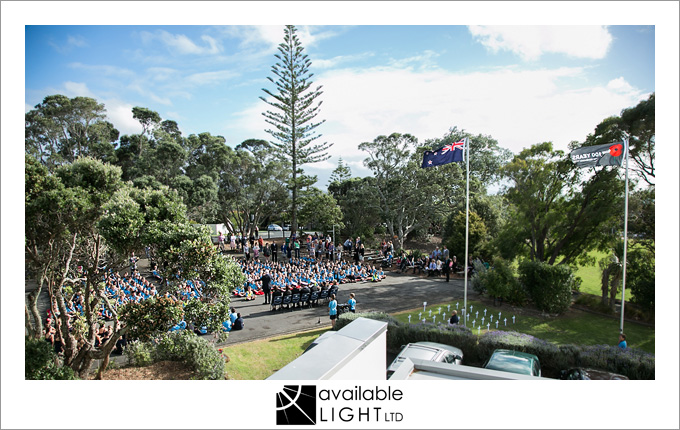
259 359
574 327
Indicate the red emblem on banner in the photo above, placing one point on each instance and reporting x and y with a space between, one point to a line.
616 150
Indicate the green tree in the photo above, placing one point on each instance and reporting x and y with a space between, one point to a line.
454 232
296 108
642 216
408 197
61 129
320 211
556 215
251 189
638 123
340 173
357 199
640 277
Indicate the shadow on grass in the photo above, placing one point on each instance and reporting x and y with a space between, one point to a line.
311 333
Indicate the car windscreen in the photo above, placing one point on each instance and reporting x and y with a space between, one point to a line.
418 352
509 363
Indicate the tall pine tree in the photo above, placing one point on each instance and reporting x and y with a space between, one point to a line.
296 107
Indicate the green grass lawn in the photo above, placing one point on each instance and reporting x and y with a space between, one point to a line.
575 327
260 359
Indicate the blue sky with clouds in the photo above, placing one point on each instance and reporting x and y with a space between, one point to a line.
520 84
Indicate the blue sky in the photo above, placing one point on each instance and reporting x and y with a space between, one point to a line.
520 84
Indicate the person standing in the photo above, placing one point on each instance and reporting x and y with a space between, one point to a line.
352 303
622 341
220 242
448 264
333 310
275 252
266 289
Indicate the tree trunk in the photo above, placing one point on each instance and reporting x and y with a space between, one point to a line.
605 285
613 290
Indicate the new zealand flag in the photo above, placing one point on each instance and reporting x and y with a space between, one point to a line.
447 154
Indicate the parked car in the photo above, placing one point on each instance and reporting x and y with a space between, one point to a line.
286 227
584 373
274 227
507 360
430 351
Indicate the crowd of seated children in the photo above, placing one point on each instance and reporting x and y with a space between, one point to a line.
304 272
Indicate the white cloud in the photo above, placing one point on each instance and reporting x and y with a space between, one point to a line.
516 107
104 70
181 44
77 89
206 78
77 41
320 63
70 43
530 42
270 36
119 113
620 85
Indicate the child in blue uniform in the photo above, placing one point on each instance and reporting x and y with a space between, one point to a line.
352 302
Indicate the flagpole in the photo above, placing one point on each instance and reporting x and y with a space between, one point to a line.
625 239
467 215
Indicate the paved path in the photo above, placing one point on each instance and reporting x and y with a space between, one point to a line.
394 293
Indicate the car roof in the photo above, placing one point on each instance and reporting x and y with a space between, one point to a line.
600 374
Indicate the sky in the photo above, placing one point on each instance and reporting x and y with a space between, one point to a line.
521 85
408 67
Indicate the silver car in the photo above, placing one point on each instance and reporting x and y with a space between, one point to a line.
430 351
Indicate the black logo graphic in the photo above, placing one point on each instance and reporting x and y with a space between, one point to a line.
296 405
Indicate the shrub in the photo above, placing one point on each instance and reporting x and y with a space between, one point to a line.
41 361
549 286
632 363
193 350
478 281
138 353
499 282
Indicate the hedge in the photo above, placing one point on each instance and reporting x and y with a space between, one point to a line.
635 364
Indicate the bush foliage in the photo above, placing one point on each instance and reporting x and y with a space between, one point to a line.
549 286
41 362
498 282
632 363
183 346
